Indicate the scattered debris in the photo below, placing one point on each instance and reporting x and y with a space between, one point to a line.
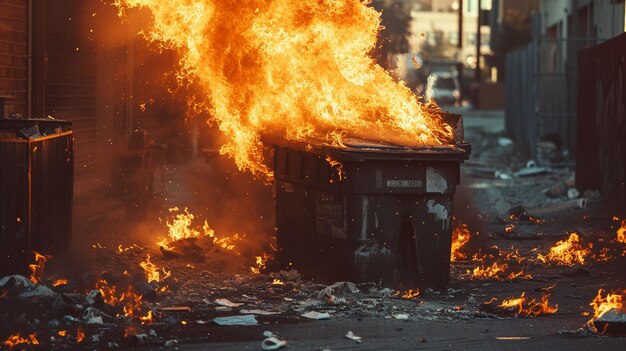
401 316
316 315
259 312
350 335
171 343
227 303
247 319
176 309
272 341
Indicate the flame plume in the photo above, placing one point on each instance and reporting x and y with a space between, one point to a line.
295 69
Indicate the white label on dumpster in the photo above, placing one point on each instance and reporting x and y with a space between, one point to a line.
441 213
435 182
404 183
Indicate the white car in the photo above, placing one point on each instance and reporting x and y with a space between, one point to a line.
446 88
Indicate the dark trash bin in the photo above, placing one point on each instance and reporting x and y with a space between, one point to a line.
36 186
385 216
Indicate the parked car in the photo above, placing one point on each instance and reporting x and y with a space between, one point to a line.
446 88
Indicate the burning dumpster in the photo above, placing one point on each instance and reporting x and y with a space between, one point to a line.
36 180
367 211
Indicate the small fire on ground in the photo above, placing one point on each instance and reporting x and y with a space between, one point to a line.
567 252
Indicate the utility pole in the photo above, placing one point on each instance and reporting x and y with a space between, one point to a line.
459 65
477 71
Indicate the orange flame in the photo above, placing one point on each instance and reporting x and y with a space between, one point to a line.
131 301
277 282
497 271
295 69
337 166
529 308
181 228
621 232
149 318
603 304
567 252
80 335
260 263
60 282
108 292
411 294
36 268
16 340
153 273
460 237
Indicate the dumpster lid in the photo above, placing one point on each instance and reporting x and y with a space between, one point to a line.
357 149
32 129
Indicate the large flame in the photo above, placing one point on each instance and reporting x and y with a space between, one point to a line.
295 69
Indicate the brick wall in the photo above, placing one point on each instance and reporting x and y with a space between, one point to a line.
13 51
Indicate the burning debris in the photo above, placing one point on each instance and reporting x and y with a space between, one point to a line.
567 252
37 267
520 306
17 341
181 232
609 314
460 237
153 273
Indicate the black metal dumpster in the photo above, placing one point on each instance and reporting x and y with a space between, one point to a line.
36 185
368 212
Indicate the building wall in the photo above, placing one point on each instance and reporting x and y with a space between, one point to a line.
603 18
448 23
14 51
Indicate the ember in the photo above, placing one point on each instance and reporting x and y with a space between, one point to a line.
567 252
